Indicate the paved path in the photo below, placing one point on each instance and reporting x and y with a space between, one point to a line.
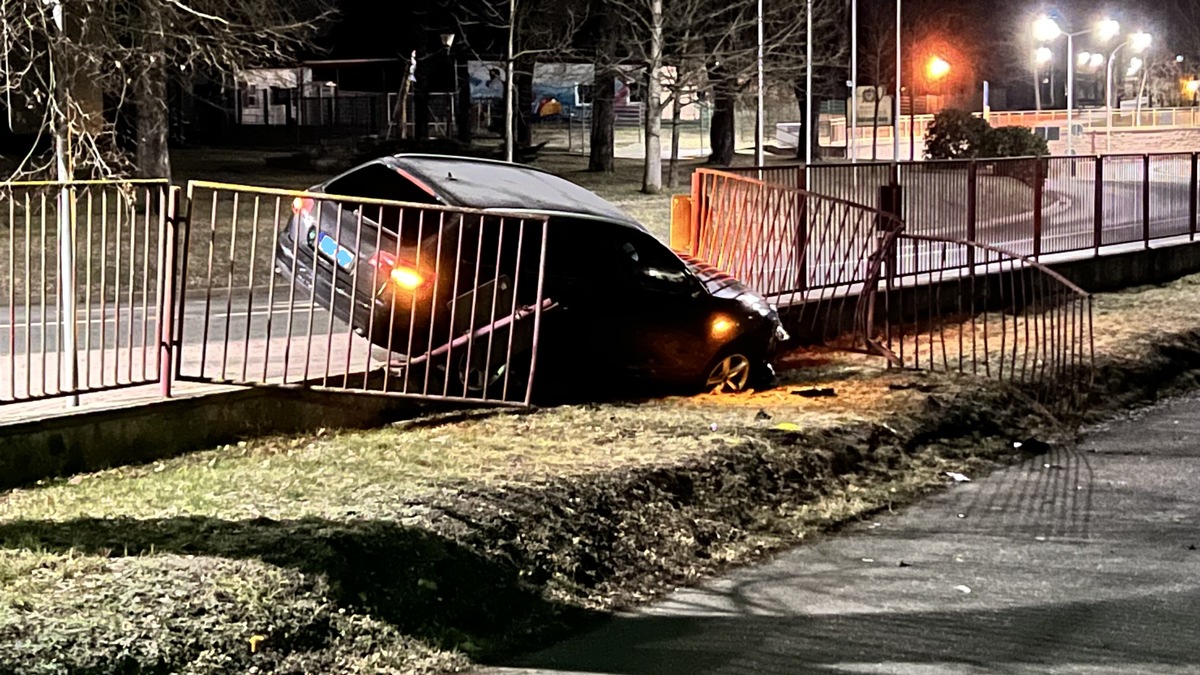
1075 562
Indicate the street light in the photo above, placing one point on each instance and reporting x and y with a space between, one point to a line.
1046 29
1139 42
937 68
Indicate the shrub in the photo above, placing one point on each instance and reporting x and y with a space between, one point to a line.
1012 142
955 134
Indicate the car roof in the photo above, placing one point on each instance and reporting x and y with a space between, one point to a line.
490 184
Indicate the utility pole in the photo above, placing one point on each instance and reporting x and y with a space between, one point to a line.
759 158
812 116
896 117
508 83
852 141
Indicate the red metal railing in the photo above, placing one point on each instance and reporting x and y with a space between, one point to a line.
804 251
1036 207
852 276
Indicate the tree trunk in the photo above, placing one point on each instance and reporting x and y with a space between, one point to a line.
801 99
604 84
153 155
523 77
652 175
673 168
721 126
875 126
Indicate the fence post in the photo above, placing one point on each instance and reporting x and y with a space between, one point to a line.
69 358
1192 198
801 207
1146 200
1098 216
699 205
972 209
1039 194
167 247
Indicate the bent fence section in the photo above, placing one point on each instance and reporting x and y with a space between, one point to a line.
851 276
359 295
808 253
82 285
1004 317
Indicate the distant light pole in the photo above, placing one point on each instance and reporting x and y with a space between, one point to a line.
808 84
1041 57
1046 29
1139 42
852 142
896 117
759 140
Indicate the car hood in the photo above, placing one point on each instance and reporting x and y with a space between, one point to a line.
717 283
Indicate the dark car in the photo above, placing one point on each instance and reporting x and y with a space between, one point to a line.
618 303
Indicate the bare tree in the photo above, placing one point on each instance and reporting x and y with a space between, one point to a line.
131 50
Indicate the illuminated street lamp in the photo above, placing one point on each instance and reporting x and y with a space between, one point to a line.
1138 42
1046 29
937 68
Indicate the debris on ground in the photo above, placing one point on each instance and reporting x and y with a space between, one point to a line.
958 477
822 392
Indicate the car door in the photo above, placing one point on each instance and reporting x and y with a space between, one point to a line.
665 316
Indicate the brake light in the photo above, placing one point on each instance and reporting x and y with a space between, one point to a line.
402 275
407 278
302 205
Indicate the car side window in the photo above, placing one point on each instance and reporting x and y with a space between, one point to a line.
647 263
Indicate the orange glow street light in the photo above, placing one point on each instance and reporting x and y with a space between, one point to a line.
937 68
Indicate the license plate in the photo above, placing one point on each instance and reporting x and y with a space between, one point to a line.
327 245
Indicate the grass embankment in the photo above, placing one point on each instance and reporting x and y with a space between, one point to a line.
457 538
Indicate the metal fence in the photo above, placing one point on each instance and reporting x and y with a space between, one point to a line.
82 279
359 295
804 251
1037 207
1004 316
853 276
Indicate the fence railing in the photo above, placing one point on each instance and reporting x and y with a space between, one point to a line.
806 251
1002 316
851 275
839 129
359 295
82 284
1035 207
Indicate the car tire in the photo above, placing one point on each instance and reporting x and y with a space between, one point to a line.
735 371
478 384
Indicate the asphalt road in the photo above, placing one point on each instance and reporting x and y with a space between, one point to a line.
1082 561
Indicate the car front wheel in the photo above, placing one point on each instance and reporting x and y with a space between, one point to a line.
736 371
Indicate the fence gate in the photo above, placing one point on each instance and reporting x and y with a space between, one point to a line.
279 287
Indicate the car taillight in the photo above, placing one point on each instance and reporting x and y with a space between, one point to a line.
302 206
402 275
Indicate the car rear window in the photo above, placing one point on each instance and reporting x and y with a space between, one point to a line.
376 181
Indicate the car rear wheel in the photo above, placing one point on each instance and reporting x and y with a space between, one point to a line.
480 381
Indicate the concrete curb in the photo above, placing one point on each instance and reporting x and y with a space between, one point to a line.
146 432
